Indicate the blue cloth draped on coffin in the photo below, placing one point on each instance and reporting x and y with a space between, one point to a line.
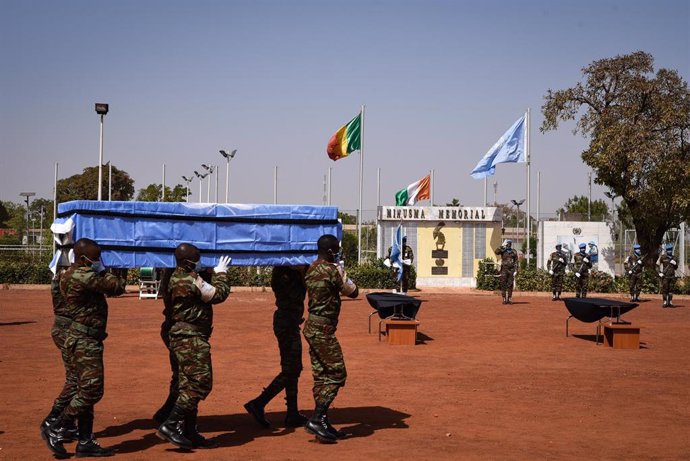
145 234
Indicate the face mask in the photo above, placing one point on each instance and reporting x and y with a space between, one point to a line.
669 252
197 266
97 266
336 256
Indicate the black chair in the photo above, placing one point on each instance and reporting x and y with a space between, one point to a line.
590 310
393 306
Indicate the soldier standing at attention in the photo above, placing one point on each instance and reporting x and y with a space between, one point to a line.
556 266
59 333
84 287
290 290
326 281
509 259
581 265
667 266
407 259
633 268
191 299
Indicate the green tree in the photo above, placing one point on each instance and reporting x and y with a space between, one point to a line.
638 124
4 215
349 249
152 193
579 204
347 218
84 186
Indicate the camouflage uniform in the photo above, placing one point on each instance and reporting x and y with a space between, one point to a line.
324 284
192 323
84 292
581 267
509 258
633 269
557 263
406 254
59 333
668 269
165 409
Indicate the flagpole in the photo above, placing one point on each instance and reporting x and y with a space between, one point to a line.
378 187
361 172
527 153
485 181
431 187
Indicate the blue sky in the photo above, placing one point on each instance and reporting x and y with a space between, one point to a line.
441 81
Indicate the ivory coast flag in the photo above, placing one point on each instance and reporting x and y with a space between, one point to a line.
347 139
415 192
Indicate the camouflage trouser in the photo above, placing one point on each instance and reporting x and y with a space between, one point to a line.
193 354
506 282
634 282
581 285
327 362
557 281
667 285
86 356
69 389
174 384
286 328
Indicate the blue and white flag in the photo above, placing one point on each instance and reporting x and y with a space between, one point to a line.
396 251
509 149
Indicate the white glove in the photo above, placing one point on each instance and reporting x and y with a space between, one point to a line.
577 274
407 262
630 272
207 290
661 274
223 264
585 260
550 272
505 243
673 262
515 274
561 260
387 262
567 271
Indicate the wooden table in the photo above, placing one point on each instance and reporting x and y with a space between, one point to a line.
621 336
401 332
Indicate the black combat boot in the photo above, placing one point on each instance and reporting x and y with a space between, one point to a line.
69 432
293 418
338 434
88 446
317 425
670 297
553 297
162 414
191 432
53 434
256 407
558 296
664 304
172 429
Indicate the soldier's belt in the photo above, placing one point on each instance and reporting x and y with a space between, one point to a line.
95 333
204 331
62 322
321 320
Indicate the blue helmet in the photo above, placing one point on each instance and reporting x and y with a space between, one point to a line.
636 246
591 242
582 246
669 246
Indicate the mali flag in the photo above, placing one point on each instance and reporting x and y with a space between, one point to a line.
346 140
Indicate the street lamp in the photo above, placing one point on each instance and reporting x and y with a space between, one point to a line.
228 156
101 109
187 180
210 169
27 196
517 203
201 177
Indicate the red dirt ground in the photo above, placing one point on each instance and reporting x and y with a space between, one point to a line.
487 382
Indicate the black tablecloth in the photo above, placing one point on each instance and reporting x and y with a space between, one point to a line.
590 310
389 304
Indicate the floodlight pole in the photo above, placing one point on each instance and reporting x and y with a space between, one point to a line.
102 110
